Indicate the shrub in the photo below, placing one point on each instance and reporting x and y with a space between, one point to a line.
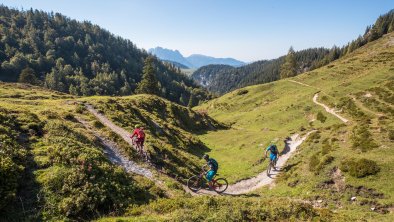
98 124
80 109
362 138
314 161
321 117
242 92
360 168
326 148
391 134
69 116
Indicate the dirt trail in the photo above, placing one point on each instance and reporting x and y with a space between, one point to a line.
328 109
116 129
241 187
114 154
249 185
304 84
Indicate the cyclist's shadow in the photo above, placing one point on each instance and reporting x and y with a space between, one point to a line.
286 149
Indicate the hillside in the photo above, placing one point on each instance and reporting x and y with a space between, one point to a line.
338 161
55 149
192 61
222 80
68 156
80 58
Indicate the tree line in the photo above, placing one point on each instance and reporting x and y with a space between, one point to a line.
222 79
80 58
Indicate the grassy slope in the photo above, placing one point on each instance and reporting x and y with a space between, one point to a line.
170 128
55 145
265 112
278 109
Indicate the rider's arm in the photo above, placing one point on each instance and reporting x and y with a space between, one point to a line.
134 134
204 166
266 153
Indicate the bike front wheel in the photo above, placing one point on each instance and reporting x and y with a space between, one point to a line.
195 183
220 185
269 168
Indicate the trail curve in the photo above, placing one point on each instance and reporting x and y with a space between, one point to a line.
328 109
241 187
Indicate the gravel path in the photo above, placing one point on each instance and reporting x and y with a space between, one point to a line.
262 179
114 154
241 187
328 109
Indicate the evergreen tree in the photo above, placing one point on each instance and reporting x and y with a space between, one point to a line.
289 67
27 76
148 83
191 101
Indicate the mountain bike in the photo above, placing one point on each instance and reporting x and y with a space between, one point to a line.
196 182
271 165
140 149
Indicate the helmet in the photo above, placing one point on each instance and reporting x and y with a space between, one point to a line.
205 157
137 126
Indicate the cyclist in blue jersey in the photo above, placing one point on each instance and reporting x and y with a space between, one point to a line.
274 153
213 168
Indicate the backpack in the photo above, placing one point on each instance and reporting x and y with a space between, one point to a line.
274 149
213 164
140 134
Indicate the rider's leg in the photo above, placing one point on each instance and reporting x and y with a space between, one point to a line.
209 176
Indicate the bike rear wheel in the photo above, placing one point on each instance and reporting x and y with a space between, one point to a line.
195 183
220 185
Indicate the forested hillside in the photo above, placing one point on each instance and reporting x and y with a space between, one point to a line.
221 79
80 58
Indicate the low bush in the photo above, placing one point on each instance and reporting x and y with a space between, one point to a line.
242 92
206 208
362 139
80 109
360 168
391 134
98 124
321 117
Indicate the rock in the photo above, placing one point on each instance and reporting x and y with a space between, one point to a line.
320 201
353 198
373 208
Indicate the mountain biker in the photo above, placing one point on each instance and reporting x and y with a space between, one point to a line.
140 135
274 153
213 169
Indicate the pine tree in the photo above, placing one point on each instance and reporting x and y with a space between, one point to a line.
191 101
148 84
27 76
289 67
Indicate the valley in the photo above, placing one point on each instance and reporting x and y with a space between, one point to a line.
65 126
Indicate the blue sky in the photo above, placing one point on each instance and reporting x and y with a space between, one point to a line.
248 30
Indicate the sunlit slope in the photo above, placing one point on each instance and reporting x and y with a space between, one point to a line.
260 113
48 153
170 129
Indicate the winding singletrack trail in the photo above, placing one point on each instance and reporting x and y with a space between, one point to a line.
262 179
328 109
241 187
114 154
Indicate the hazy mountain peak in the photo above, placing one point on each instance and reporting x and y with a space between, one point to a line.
194 60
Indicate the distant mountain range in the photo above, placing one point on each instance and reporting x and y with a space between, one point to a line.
192 61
